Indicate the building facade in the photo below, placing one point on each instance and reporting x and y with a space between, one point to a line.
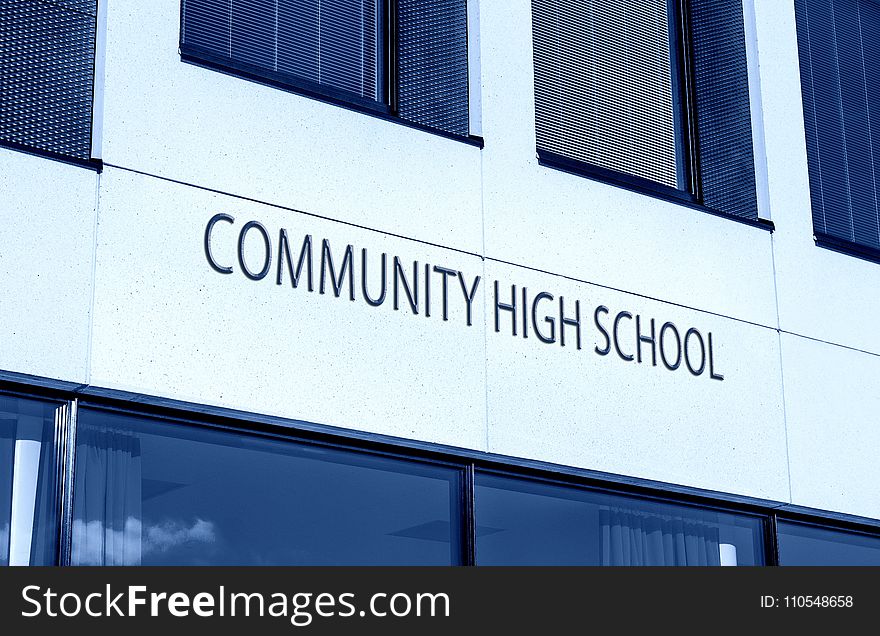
440 282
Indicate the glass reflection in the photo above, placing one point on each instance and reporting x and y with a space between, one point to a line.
522 522
28 503
149 492
803 544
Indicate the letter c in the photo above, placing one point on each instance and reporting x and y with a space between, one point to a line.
617 319
208 228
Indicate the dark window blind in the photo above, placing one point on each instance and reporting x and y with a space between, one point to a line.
333 44
723 113
433 63
47 66
603 85
839 48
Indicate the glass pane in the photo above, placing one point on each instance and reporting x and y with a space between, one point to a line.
801 544
28 502
531 523
151 492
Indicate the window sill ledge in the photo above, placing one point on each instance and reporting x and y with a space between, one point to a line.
642 186
90 164
197 57
847 247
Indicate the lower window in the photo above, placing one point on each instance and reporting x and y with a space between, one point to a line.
148 492
525 522
806 544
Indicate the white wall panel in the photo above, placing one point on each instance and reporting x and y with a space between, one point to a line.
832 397
579 408
167 324
48 216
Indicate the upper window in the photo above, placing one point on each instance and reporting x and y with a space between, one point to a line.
651 94
405 58
47 66
839 47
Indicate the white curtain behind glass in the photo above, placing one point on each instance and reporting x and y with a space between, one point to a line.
630 537
107 496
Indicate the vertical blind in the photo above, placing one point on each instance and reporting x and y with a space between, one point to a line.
331 43
47 56
603 85
839 48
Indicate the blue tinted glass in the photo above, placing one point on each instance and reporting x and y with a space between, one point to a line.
28 518
801 544
150 492
530 523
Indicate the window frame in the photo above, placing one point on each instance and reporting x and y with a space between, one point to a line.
686 129
387 82
684 122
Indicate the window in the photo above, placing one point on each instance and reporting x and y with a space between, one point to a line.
839 48
404 58
805 544
28 496
648 94
148 492
526 522
47 60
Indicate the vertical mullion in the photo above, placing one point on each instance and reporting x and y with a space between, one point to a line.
67 456
392 68
469 522
690 142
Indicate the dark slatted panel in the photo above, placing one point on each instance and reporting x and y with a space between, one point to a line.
603 85
839 47
332 43
433 63
724 120
47 52
208 25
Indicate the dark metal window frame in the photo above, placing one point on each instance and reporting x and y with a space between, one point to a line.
71 397
388 80
687 136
